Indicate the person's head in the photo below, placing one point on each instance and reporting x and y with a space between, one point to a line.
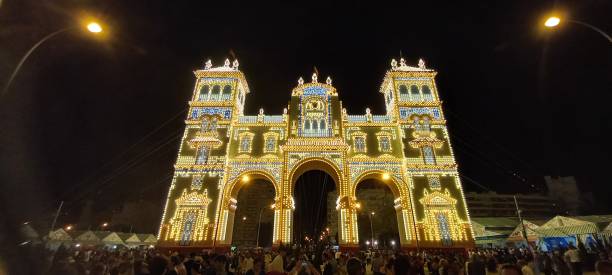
401 265
158 264
175 260
282 251
354 267
510 269
219 262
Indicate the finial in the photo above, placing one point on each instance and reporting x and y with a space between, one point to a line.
421 63
393 64
284 111
208 64
300 81
328 81
314 78
235 64
402 62
367 111
227 63
261 111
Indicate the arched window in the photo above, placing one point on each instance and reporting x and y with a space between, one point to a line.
307 125
204 93
202 155
444 228
415 95
214 95
227 92
270 144
322 124
404 96
428 155
315 125
426 93
245 144
188 228
384 143
360 144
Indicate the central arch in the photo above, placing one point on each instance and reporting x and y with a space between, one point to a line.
304 170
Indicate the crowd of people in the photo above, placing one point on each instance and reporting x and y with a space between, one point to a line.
324 261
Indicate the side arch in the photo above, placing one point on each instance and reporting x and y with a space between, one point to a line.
228 203
402 201
234 185
397 186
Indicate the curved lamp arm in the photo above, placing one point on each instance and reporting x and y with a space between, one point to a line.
25 57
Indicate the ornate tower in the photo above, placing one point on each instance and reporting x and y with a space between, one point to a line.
439 207
190 212
408 149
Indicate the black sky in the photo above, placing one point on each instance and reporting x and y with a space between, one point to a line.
76 123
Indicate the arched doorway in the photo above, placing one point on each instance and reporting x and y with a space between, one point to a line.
253 217
314 191
245 197
377 219
314 188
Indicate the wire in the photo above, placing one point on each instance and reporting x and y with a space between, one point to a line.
118 156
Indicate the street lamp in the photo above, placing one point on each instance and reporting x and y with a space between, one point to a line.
372 227
554 21
91 27
259 222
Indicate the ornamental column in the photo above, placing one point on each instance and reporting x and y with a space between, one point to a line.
347 208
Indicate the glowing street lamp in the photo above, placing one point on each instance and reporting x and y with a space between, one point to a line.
552 21
94 27
69 227
244 218
91 27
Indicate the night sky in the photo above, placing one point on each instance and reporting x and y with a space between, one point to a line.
101 119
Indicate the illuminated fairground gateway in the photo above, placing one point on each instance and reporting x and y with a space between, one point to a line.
407 148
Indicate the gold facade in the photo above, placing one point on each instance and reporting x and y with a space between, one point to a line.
408 148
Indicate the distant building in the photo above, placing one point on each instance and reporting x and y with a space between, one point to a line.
492 204
565 191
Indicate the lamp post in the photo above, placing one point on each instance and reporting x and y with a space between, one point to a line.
259 223
92 27
372 228
554 21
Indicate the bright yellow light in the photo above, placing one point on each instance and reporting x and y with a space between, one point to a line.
245 178
105 224
244 218
386 176
552 21
94 27
373 213
69 227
